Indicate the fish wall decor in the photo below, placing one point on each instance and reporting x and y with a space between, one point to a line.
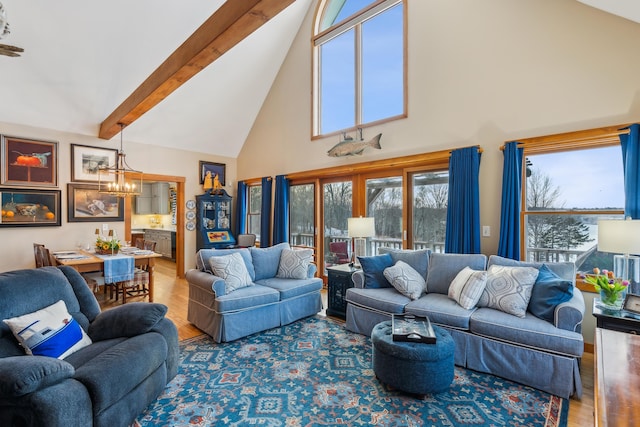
350 147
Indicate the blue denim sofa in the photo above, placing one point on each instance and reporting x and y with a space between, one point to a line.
528 350
270 302
133 355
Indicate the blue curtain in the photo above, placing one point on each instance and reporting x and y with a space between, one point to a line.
241 208
631 165
281 211
463 211
509 244
265 213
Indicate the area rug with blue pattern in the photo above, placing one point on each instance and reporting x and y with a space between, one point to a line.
316 373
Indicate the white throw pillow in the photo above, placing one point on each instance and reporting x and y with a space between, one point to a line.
509 289
467 287
405 279
51 332
232 269
294 263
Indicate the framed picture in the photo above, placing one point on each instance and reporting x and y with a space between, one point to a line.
632 303
86 160
29 208
29 162
215 169
85 204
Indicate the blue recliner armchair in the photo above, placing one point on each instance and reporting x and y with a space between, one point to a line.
133 355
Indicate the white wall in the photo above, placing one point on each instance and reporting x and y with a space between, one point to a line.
16 249
479 72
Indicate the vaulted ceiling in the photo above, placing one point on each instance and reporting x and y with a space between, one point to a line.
83 59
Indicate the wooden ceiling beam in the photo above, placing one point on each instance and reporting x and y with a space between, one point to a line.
228 26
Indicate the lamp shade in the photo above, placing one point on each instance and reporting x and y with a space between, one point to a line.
361 227
619 236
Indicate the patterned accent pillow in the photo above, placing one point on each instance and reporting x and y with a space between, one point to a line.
467 287
51 332
405 279
509 289
231 268
294 263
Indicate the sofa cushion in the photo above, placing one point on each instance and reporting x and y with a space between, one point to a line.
467 287
443 268
386 300
528 331
566 269
294 264
549 291
202 259
417 259
405 279
245 298
508 289
290 288
22 375
440 309
51 331
267 260
373 269
231 268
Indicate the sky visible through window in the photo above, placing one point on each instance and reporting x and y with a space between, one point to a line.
382 70
587 179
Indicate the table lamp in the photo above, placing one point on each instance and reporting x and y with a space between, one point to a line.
622 237
359 229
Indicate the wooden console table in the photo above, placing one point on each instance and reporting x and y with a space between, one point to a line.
617 378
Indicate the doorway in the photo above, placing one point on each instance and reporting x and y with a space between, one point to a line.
179 182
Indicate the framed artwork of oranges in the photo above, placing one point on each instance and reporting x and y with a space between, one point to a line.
28 162
29 208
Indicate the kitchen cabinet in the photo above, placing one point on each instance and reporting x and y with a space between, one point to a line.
213 220
163 239
153 199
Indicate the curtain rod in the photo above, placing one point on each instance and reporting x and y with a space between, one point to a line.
578 138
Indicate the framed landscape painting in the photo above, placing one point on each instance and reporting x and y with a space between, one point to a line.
215 169
86 161
29 162
86 204
29 208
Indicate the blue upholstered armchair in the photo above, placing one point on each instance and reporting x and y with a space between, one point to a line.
131 355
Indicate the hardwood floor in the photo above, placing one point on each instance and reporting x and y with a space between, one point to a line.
174 293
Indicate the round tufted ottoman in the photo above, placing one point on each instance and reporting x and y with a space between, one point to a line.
413 367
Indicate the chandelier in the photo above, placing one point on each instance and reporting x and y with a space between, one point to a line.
119 180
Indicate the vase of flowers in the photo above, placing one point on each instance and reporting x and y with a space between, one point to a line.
109 246
612 289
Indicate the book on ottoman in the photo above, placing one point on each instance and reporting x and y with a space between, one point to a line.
412 329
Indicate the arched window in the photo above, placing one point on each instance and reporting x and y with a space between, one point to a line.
359 67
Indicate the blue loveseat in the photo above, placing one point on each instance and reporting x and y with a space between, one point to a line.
133 355
543 354
269 298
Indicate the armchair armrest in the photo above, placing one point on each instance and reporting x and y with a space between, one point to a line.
206 280
569 315
20 375
127 320
358 279
311 272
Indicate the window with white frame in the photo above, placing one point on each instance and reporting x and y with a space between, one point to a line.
359 66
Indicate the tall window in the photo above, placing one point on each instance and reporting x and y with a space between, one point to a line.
565 194
255 201
359 71
429 209
337 207
302 215
384 204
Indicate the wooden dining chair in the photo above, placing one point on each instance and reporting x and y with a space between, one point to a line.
42 256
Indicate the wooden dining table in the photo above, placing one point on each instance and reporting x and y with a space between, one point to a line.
91 262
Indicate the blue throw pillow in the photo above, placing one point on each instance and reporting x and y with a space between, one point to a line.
549 291
417 259
373 269
266 260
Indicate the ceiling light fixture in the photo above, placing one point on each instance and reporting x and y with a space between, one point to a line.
119 180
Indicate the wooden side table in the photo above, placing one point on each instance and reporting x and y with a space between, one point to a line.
339 280
617 379
621 321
